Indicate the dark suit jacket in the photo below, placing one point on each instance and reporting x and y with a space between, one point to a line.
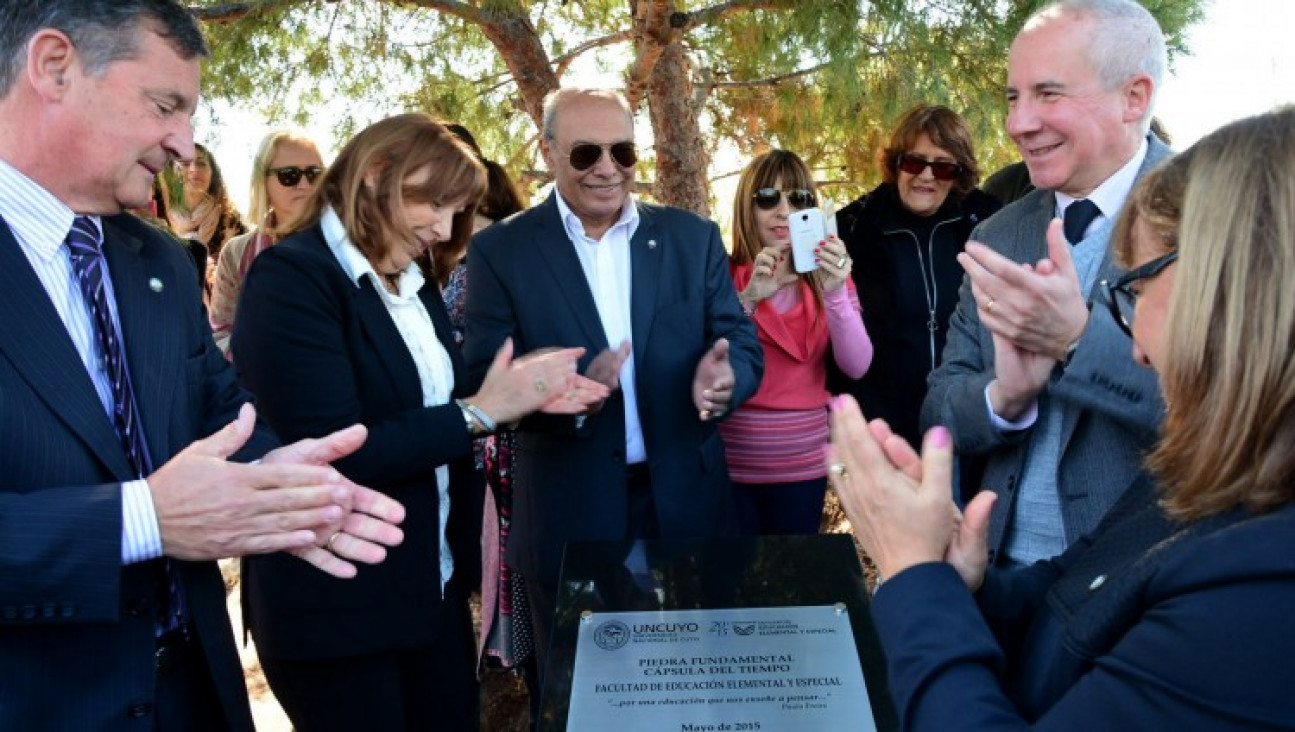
76 628
322 354
1114 404
1144 625
525 281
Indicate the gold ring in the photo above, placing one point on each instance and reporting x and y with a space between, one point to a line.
840 263
540 386
989 305
332 539
837 470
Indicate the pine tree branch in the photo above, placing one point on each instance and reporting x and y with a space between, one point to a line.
770 81
225 12
714 13
563 62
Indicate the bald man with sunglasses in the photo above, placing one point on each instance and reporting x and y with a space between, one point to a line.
645 290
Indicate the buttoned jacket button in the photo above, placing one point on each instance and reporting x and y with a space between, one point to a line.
136 711
28 612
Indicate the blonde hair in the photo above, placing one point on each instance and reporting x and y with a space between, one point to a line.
1228 374
259 204
366 184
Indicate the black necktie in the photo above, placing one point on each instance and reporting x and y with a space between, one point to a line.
90 269
1078 216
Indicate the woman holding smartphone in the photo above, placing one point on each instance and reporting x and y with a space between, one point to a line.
774 442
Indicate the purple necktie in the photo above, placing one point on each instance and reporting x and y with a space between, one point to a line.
90 268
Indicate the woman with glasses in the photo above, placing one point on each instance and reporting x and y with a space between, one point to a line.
199 210
905 237
1175 612
337 324
284 173
774 442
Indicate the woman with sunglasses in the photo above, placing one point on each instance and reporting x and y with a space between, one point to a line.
284 172
337 324
774 442
905 236
1175 612
200 211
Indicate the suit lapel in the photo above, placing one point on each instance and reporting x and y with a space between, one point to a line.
35 341
151 332
554 248
646 253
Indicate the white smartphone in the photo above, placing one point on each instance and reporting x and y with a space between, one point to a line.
807 231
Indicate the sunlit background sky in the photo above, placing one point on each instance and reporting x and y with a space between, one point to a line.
1242 62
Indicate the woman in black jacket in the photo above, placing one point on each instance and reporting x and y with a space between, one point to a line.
904 238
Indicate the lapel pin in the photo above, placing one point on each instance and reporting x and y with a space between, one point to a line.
651 243
155 284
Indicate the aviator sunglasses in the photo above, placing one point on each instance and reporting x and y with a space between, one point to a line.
586 155
941 169
798 198
290 176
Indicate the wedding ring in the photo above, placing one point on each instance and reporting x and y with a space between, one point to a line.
840 263
540 386
837 470
989 305
332 539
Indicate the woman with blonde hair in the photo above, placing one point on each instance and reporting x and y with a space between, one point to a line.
1175 612
284 172
338 325
774 442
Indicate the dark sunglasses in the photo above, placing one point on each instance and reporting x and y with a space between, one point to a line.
1120 297
941 169
798 198
290 176
586 155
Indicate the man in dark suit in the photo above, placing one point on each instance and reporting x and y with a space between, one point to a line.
1034 380
111 506
647 289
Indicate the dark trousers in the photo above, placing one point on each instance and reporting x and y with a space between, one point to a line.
779 508
426 688
186 694
642 524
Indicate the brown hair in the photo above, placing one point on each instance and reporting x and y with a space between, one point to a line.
1228 206
766 171
947 131
366 184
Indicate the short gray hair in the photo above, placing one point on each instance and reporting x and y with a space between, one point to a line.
1126 41
558 97
103 31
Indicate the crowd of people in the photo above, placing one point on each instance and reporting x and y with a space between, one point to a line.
1074 474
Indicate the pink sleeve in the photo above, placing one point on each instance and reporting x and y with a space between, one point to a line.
850 343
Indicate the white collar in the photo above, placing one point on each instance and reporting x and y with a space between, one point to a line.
37 217
1111 194
576 228
356 265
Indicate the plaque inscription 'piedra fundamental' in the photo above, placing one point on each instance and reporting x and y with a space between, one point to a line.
740 669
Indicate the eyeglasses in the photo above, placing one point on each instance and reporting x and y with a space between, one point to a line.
798 198
290 176
1120 297
915 164
586 155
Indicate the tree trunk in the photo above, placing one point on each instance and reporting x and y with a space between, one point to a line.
682 161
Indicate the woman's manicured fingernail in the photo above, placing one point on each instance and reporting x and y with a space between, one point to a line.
940 437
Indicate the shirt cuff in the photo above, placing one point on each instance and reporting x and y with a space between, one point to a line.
141 537
1002 425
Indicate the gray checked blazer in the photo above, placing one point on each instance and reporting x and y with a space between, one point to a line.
1113 405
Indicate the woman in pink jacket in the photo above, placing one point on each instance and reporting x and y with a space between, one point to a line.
774 442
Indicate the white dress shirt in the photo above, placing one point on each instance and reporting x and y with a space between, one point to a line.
606 263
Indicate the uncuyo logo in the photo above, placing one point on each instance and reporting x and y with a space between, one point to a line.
611 635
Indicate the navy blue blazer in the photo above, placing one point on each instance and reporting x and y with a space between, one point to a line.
525 282
321 354
76 627
1146 624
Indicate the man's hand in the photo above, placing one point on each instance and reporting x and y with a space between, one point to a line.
712 383
605 369
1019 378
209 508
367 529
1039 309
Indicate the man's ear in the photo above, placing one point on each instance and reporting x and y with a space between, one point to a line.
546 151
52 63
1137 97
